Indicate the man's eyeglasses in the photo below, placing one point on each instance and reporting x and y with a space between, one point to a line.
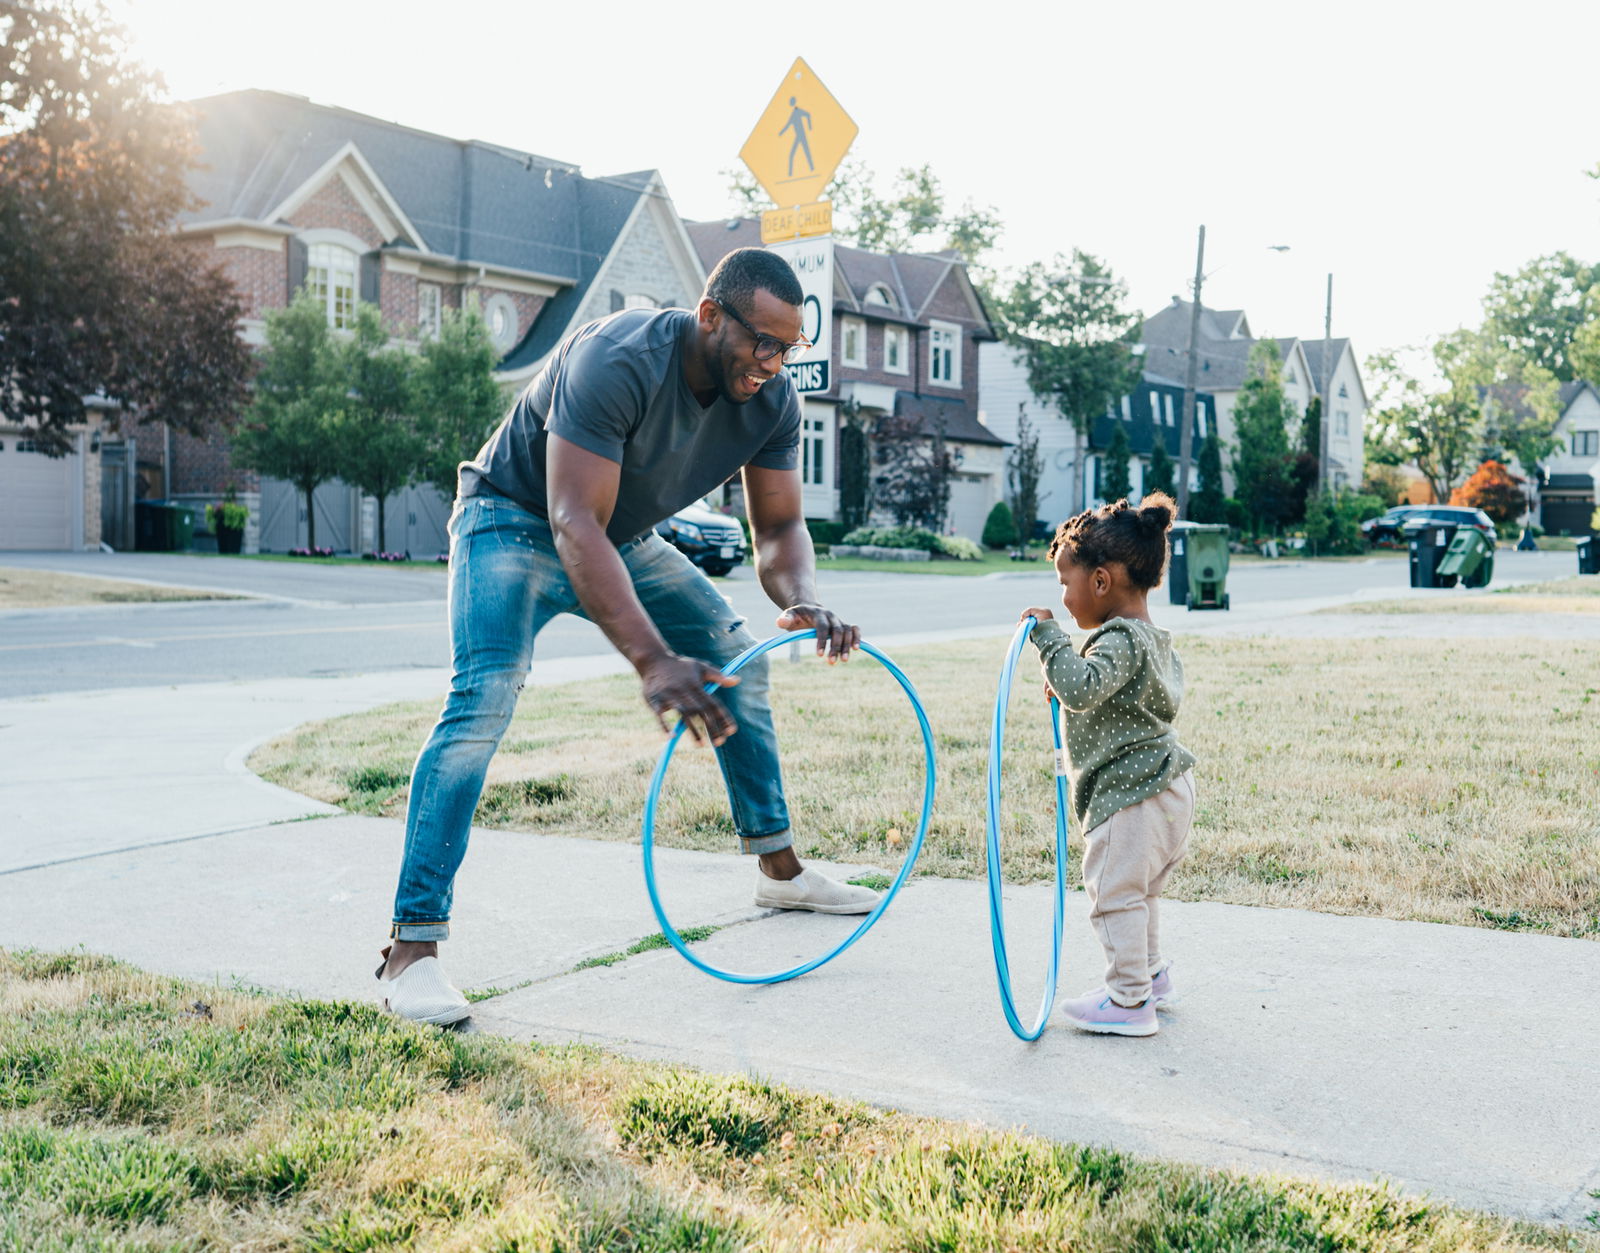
770 346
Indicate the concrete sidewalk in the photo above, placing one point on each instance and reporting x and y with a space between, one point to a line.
1453 1061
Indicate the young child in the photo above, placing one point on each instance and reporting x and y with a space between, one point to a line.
1130 780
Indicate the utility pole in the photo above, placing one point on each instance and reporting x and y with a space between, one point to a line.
1327 393
1191 375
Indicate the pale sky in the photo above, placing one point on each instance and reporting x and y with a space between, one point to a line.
1412 149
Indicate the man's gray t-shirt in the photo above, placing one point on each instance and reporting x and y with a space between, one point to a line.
615 387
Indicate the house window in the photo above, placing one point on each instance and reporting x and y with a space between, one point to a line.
1290 378
331 276
813 448
896 350
430 312
637 300
878 294
1586 443
1166 404
853 341
1341 422
500 316
944 354
1127 408
1344 392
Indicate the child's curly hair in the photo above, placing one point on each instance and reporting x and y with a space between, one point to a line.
1137 538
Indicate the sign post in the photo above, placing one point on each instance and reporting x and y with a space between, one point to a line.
796 146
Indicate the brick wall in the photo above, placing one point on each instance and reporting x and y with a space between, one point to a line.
201 466
261 277
334 206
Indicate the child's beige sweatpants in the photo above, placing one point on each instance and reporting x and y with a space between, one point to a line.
1126 861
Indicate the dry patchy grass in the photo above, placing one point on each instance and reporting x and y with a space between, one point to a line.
45 589
1580 594
139 1113
1453 781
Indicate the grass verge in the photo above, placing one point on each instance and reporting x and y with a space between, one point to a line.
142 1113
1579 594
989 563
46 589
1454 781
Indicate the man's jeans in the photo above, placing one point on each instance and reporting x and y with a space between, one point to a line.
506 583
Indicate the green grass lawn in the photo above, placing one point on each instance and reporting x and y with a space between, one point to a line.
140 1113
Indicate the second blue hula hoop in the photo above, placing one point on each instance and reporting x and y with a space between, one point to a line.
649 833
997 933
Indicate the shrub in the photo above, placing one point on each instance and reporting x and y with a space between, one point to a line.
1495 490
894 537
959 547
228 514
825 532
1000 528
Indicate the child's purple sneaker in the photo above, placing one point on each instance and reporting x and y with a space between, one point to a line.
1162 992
1096 1011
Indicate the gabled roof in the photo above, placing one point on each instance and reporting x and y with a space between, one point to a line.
469 201
1512 396
913 278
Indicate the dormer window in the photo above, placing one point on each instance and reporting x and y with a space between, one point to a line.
881 296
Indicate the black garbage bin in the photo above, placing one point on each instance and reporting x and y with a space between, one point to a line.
1428 546
1588 554
154 526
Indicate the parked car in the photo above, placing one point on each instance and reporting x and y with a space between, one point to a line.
713 541
1385 529
1448 515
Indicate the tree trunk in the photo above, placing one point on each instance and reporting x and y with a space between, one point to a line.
383 544
311 518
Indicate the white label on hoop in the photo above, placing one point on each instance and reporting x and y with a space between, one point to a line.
1061 761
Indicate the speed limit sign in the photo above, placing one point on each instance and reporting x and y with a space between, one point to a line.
812 262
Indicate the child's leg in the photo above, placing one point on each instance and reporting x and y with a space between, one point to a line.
1172 816
1116 876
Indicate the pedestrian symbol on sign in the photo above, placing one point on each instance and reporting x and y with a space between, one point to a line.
800 121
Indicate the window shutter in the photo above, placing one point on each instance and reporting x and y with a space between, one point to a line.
297 267
616 301
371 267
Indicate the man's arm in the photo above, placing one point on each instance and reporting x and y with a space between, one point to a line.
786 563
582 493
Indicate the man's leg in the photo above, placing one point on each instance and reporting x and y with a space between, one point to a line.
505 584
696 620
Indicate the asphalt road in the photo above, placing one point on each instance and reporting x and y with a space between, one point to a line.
319 621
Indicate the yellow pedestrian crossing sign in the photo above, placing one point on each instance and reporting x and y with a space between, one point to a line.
800 139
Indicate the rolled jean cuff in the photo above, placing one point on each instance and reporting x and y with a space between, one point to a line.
419 932
759 844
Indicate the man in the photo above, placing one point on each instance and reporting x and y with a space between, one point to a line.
634 417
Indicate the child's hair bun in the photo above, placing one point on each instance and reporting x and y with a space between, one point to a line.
1156 513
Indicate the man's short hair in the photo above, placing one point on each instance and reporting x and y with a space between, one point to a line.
739 275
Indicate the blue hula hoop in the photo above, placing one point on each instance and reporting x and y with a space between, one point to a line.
649 840
1002 966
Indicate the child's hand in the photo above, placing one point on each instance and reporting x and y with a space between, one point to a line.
1043 615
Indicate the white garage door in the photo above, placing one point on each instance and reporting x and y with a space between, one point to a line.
39 497
971 498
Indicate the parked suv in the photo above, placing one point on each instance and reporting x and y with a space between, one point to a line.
1385 529
713 541
1448 515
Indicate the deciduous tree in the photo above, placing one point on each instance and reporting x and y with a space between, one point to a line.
1069 321
292 428
1494 489
1535 314
458 402
1024 467
96 293
380 449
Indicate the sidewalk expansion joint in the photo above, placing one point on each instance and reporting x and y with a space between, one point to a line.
138 848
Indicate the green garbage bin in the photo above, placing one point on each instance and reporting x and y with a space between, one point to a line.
1200 558
182 528
1469 559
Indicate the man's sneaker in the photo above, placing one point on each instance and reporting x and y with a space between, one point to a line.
813 890
421 993
1162 993
1097 1012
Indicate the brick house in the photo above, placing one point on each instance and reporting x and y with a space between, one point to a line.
301 195
907 328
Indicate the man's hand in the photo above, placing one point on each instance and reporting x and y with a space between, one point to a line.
835 638
1043 615
677 684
